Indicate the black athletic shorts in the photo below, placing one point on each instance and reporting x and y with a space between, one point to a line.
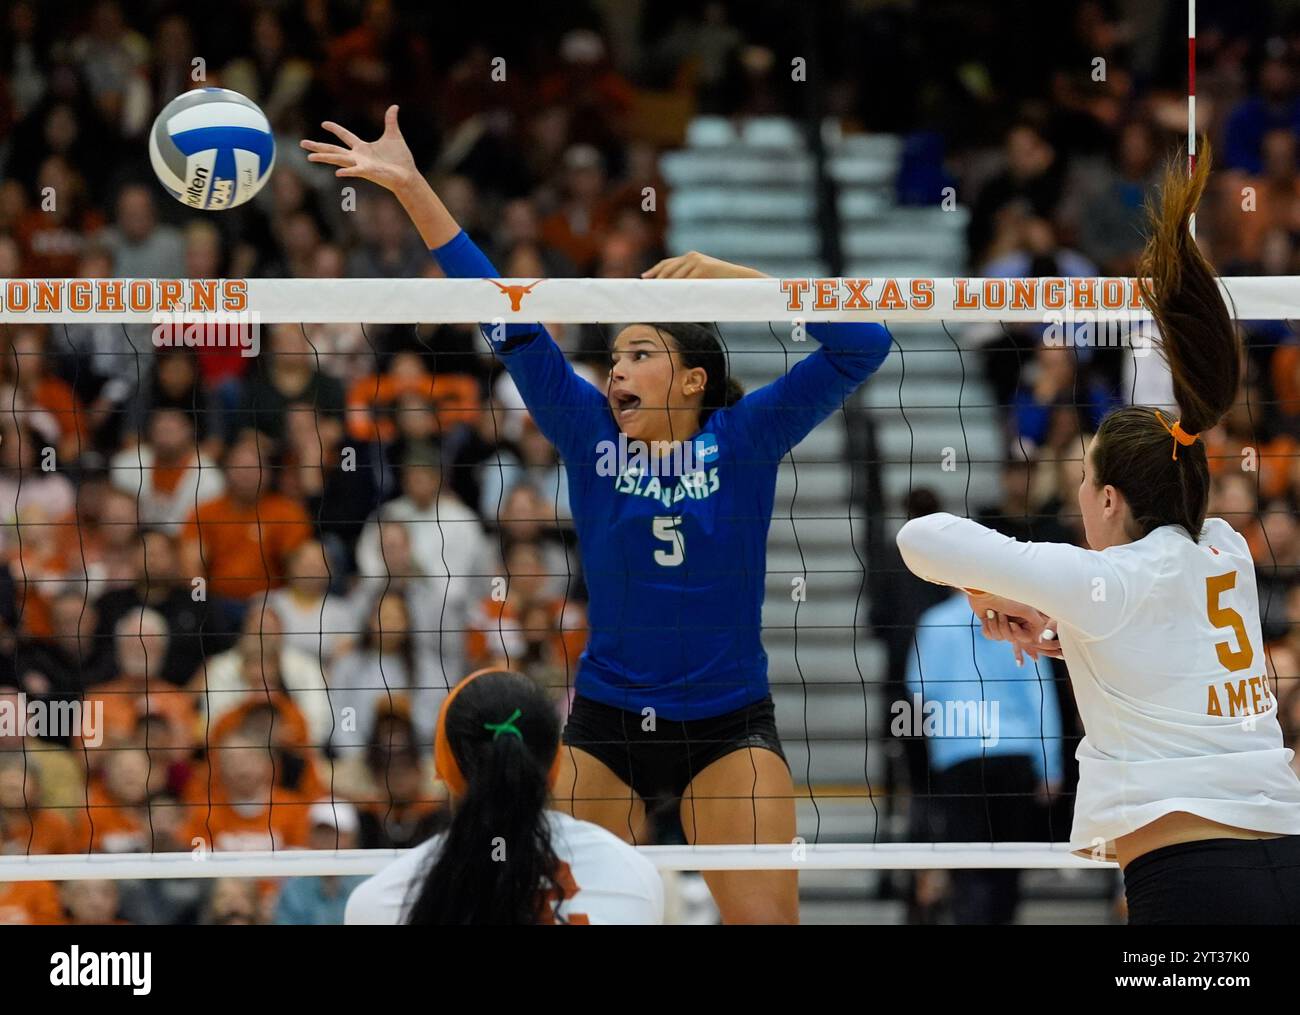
659 764
1216 881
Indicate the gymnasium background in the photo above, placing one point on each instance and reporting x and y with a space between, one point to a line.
815 139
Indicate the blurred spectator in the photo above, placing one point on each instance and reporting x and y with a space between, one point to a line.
53 235
1052 385
447 538
1240 442
70 659
31 498
167 472
389 247
30 902
387 665
335 484
260 666
141 247
59 772
316 622
174 381
577 228
111 56
102 534
270 73
107 362
289 371
53 409
1274 198
499 627
27 827
247 811
436 607
195 629
268 716
1112 222
233 902
90 902
1273 106
533 460
1032 178
137 689
526 517
321 900
118 817
1233 498
994 735
241 540
392 783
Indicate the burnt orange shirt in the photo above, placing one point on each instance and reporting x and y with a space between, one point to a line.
30 902
290 734
36 833
246 549
109 827
281 823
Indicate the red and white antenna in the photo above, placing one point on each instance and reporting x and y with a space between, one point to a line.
1191 97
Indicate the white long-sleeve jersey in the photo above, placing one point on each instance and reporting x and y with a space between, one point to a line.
1163 644
605 879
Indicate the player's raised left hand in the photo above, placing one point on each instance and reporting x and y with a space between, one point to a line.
693 264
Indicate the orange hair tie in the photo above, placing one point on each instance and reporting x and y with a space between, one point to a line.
445 765
1180 435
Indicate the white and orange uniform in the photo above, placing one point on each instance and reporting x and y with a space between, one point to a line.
604 880
1163 644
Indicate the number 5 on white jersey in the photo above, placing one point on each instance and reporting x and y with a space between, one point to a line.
666 528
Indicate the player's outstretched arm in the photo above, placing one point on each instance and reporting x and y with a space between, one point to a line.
388 162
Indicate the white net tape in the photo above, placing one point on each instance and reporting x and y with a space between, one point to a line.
565 300
343 862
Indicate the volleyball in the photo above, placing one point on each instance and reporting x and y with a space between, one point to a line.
212 148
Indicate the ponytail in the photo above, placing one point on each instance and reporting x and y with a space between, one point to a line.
1199 340
496 863
1162 469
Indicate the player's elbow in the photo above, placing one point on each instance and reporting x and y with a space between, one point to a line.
917 541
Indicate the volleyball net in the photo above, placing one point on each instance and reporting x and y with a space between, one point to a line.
246 565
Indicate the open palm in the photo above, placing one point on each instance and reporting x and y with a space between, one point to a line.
387 161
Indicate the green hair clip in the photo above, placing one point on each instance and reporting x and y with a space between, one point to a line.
508 726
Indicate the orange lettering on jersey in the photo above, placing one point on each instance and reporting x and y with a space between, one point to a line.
1214 708
565 888
1254 694
1236 697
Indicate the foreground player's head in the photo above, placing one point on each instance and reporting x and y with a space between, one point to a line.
666 379
497 749
1146 468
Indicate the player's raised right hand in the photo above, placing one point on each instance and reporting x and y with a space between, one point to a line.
386 161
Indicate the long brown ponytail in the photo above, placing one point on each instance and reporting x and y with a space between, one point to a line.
1133 450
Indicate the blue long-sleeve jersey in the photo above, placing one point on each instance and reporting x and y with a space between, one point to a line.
675 565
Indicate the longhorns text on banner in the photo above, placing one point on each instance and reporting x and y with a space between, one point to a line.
614 301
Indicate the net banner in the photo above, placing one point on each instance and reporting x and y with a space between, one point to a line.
582 301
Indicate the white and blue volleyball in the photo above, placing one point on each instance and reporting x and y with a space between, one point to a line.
212 148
